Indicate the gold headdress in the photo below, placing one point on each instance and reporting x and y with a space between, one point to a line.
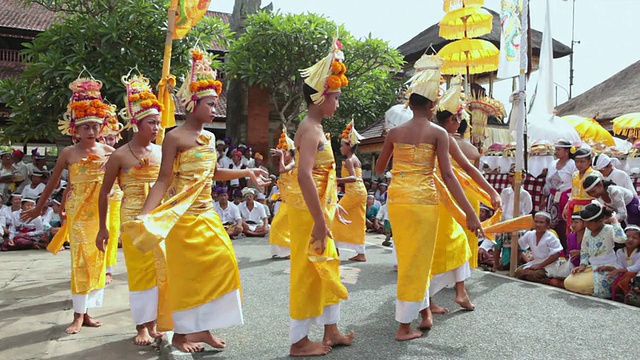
285 142
139 102
351 135
452 100
113 127
426 80
327 75
200 82
85 106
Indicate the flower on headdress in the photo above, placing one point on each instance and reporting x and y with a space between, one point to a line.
336 67
572 150
344 81
334 82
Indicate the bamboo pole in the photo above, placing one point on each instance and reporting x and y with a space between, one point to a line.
166 68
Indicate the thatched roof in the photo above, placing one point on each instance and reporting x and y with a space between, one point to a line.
414 48
618 95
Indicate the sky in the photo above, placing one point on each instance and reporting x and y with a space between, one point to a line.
604 28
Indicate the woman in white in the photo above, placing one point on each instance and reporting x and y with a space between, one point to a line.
604 165
623 202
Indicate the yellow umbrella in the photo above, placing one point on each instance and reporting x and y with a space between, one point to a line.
628 125
466 22
590 129
455 4
473 56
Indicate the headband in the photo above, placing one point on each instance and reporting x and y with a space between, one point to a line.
584 155
597 215
576 216
543 214
597 181
632 227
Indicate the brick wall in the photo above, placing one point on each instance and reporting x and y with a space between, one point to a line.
258 132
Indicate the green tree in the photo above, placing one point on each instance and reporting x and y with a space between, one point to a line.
276 46
120 36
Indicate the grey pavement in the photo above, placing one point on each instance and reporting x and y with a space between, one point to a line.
513 319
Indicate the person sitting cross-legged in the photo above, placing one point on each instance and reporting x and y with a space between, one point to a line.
254 218
229 213
546 249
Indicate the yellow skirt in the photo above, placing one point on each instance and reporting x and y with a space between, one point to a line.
280 232
452 247
114 232
313 284
414 237
201 263
87 262
472 238
355 232
581 283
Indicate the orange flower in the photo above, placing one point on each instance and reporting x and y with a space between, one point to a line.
334 82
95 103
344 81
134 97
336 67
79 114
146 104
193 87
344 68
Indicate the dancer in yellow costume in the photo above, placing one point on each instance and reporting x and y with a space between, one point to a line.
315 289
84 120
457 250
134 168
112 137
202 269
280 233
415 193
352 236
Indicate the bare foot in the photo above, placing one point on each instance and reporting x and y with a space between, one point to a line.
359 258
465 303
427 320
76 325
181 343
306 347
206 337
437 309
405 332
142 338
153 330
90 322
333 337
108 278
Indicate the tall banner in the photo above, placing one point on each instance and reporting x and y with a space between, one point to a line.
189 13
513 26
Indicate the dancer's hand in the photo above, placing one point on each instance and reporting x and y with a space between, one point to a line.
340 212
474 225
496 201
276 152
29 215
319 236
259 176
102 239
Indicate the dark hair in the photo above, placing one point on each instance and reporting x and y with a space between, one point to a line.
307 91
293 152
590 179
580 152
419 101
591 210
463 127
443 115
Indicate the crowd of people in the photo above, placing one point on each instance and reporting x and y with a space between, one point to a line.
176 207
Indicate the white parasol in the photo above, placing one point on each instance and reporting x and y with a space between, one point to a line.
397 115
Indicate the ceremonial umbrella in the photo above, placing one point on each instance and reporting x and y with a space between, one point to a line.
628 125
466 22
473 56
455 4
590 129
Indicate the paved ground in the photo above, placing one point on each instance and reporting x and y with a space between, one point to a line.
513 319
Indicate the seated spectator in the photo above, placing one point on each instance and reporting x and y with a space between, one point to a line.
25 235
627 264
596 253
574 240
33 190
262 200
371 213
383 224
54 218
622 201
485 246
237 197
254 218
381 194
604 164
229 213
546 249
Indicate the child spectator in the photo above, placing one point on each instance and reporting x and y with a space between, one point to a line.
24 235
579 197
383 223
546 249
485 246
596 253
574 240
628 263
623 202
371 212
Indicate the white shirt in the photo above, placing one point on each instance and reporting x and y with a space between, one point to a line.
507 195
255 216
620 197
230 215
559 179
383 213
234 182
32 193
250 163
35 226
6 210
380 196
224 162
549 245
629 263
621 179
266 209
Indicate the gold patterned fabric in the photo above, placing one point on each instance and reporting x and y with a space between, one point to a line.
315 278
114 226
197 245
280 232
413 213
354 202
81 228
144 270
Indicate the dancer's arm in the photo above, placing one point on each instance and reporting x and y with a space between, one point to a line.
110 176
450 180
474 173
61 164
385 154
348 164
